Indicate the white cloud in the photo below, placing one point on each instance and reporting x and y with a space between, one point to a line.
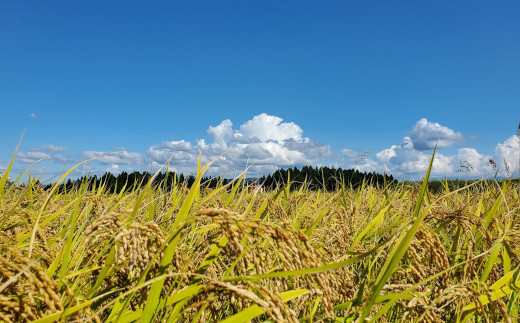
369 165
266 127
53 148
410 159
264 141
45 152
396 152
162 154
470 161
418 165
120 157
33 115
201 143
115 169
222 132
425 135
32 156
507 154
406 161
180 145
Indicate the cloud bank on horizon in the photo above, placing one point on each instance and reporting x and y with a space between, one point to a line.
266 143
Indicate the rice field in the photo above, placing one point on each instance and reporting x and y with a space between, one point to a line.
398 253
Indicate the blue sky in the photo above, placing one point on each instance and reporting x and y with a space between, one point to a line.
274 83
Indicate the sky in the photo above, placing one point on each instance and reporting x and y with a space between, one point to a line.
370 85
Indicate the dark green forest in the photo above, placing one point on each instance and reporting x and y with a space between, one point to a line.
314 178
322 178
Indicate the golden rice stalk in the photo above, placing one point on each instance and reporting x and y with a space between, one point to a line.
26 292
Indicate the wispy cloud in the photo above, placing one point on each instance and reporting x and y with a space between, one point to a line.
32 156
44 152
33 115
55 149
115 158
349 153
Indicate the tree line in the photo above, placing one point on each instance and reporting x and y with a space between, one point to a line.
130 181
322 178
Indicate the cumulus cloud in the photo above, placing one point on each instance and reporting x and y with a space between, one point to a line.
162 153
425 135
508 154
410 158
469 160
506 157
403 160
369 165
264 141
222 132
180 145
266 127
269 143
120 157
